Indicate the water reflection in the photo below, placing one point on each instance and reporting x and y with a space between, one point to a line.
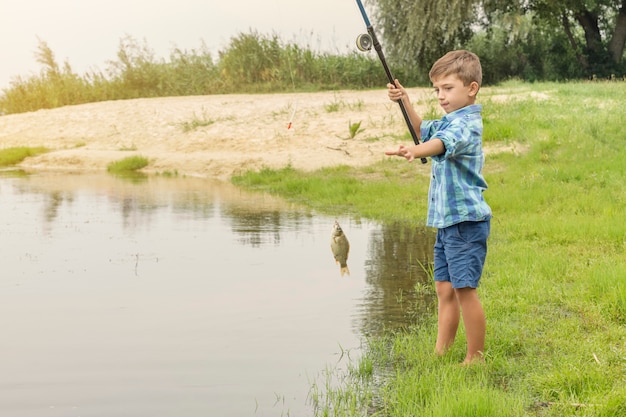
125 297
258 227
399 257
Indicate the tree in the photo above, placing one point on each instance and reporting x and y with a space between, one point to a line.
416 33
419 32
618 39
603 23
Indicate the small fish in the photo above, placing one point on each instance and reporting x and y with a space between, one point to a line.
340 247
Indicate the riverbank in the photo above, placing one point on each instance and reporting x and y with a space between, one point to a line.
216 136
553 286
211 136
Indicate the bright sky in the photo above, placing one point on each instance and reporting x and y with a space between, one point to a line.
86 33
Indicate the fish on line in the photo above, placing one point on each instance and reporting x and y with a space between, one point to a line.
340 248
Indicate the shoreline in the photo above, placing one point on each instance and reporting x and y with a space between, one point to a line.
210 136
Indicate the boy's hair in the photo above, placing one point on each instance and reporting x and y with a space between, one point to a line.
463 64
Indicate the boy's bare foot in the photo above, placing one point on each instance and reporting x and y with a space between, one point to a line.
440 352
477 359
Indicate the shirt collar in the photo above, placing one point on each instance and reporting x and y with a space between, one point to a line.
463 111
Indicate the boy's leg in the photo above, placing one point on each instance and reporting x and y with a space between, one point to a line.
465 248
474 322
448 316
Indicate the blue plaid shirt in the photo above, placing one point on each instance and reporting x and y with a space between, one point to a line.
456 187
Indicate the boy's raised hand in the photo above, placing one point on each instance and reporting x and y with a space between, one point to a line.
396 91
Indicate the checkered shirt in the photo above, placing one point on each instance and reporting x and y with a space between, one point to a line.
457 185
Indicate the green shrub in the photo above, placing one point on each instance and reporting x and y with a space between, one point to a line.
13 156
129 164
251 63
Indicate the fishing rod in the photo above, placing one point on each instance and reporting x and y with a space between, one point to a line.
365 42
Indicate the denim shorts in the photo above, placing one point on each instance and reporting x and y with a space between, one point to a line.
460 252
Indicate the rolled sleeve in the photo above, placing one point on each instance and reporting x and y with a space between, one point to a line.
455 137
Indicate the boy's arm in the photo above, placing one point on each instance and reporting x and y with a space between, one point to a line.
398 93
433 147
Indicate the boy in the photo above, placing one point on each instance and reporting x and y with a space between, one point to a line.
455 199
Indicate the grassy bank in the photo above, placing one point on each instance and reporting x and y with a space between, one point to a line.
12 156
554 287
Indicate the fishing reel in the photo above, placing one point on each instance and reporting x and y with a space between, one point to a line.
364 42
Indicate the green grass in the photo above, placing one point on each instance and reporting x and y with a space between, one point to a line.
13 156
127 165
354 129
554 286
196 122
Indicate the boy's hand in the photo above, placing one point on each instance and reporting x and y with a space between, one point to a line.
402 151
396 91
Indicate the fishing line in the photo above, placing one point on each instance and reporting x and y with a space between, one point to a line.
293 86
295 107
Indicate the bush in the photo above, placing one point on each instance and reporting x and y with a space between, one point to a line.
129 164
251 63
12 156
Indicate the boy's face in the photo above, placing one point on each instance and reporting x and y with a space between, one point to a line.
452 94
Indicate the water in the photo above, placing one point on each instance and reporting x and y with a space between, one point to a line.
184 297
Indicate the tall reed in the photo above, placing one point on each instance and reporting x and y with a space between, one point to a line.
251 63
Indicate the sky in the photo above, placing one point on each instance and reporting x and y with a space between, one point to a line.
87 33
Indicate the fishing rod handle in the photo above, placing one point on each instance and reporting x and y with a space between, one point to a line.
411 128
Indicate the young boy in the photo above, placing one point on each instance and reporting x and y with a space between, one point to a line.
455 199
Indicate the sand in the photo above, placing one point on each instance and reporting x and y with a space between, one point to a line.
218 136
213 136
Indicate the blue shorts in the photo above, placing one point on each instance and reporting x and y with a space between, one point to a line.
460 252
